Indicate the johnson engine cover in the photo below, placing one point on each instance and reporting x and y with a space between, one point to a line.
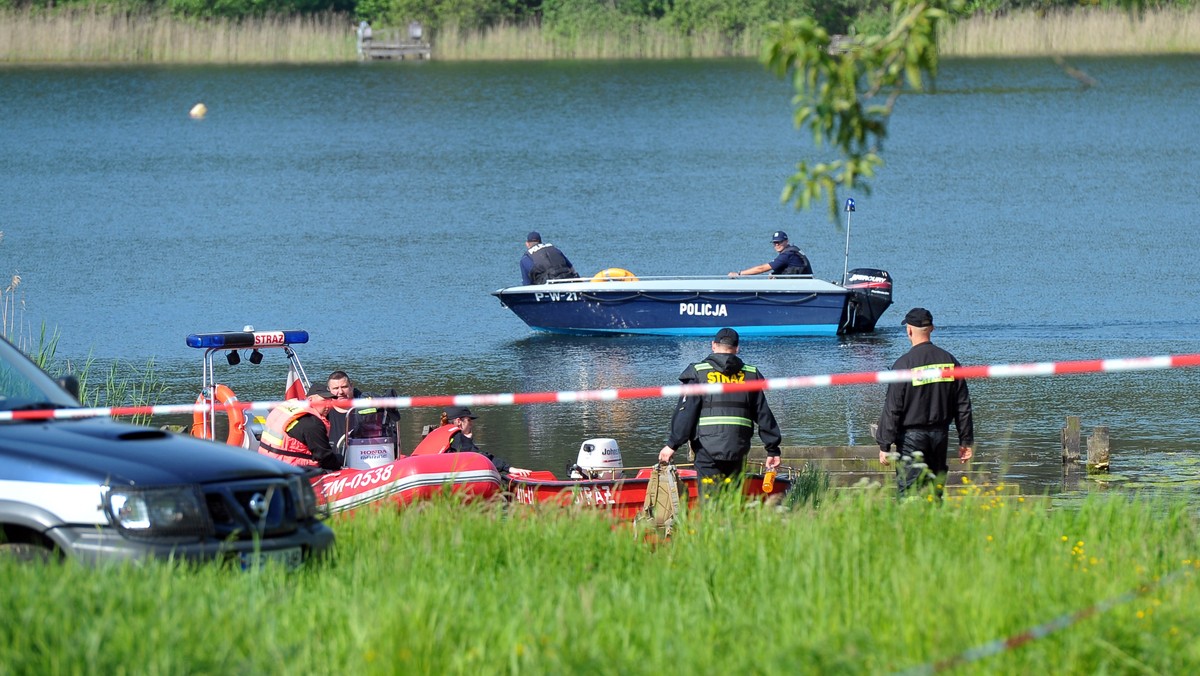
598 459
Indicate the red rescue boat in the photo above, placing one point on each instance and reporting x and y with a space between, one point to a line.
597 480
375 471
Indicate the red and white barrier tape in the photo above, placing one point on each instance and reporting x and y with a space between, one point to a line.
665 392
1042 630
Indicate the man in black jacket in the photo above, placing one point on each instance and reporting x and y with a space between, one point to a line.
720 426
543 262
917 415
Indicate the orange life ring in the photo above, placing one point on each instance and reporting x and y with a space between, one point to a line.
614 274
237 417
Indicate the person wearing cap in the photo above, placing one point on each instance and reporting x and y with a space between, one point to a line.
297 432
917 413
458 424
789 260
720 426
543 262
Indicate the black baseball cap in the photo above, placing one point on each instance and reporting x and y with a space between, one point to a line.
779 236
918 316
534 236
454 412
320 391
726 336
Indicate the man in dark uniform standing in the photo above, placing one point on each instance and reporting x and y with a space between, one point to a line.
789 259
917 415
543 262
719 426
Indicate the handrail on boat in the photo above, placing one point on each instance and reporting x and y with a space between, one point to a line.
644 278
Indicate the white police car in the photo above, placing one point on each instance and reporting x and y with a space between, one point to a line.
94 489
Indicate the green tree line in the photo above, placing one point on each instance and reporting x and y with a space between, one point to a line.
573 17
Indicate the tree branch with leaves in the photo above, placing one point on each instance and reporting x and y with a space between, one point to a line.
845 91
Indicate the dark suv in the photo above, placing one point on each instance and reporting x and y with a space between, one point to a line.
95 489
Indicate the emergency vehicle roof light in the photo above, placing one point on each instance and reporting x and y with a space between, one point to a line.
232 340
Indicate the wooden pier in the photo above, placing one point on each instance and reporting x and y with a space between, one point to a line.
395 44
379 50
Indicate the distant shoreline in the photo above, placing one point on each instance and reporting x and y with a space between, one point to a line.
88 36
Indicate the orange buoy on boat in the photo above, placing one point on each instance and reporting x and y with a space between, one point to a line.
614 275
237 417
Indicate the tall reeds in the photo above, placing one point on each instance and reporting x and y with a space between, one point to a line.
1083 32
96 36
93 35
124 384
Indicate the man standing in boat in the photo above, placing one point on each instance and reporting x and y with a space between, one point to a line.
720 426
917 414
789 260
543 262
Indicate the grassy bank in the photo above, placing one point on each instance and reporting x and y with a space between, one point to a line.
861 585
86 36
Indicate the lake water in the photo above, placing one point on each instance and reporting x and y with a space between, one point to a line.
378 205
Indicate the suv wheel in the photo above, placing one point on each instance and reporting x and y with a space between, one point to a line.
24 552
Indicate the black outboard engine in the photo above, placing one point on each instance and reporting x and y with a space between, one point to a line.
870 294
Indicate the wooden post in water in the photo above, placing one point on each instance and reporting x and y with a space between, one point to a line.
1097 450
1070 440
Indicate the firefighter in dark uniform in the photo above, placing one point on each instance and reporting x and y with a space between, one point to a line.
720 426
917 414
789 259
543 262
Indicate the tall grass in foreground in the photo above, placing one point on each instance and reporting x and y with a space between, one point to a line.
1084 32
92 36
862 585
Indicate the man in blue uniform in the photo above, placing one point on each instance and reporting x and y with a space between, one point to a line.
543 262
720 426
916 415
789 260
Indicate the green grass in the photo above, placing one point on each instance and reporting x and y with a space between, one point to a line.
861 585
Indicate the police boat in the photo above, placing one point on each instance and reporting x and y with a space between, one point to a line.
616 301
374 472
784 305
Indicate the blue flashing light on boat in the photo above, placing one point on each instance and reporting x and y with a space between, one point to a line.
232 340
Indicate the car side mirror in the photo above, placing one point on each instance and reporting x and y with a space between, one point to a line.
70 384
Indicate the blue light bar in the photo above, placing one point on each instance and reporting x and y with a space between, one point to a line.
234 340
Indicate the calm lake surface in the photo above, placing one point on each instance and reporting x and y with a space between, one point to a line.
378 205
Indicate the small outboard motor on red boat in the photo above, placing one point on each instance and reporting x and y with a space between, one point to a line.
870 294
598 459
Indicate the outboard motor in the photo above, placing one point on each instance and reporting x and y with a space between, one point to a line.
870 294
598 459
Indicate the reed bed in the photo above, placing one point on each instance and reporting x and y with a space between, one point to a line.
96 36
642 40
862 584
1084 32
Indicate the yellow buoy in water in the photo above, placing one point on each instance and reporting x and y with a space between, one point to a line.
198 111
